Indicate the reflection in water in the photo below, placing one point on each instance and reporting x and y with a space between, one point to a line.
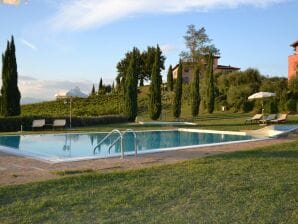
10 141
67 144
91 139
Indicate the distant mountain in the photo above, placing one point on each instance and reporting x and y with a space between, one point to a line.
30 100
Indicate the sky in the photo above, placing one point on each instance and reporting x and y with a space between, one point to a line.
61 44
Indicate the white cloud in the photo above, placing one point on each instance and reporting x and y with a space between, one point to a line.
28 44
46 89
167 48
84 14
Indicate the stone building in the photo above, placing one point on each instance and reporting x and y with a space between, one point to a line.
187 71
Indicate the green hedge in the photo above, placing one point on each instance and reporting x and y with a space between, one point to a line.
14 123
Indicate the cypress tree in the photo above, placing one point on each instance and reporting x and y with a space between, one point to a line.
100 85
195 92
178 93
11 96
93 90
4 102
210 85
131 90
155 91
170 79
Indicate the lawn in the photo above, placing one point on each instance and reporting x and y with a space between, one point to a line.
257 186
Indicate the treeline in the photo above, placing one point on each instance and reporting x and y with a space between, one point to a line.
102 89
231 90
133 70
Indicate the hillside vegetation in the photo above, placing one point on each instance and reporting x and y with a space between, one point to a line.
94 105
91 106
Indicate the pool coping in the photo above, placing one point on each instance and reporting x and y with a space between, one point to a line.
54 160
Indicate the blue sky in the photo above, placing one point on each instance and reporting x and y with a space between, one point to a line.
66 43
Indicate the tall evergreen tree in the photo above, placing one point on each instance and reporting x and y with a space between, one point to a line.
155 91
195 92
131 89
92 90
178 92
100 85
11 96
210 95
170 79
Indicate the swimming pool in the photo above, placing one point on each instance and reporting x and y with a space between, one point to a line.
71 147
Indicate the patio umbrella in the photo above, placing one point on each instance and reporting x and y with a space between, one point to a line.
261 95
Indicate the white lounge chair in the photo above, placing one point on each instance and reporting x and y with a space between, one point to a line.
38 123
59 123
268 119
281 118
255 118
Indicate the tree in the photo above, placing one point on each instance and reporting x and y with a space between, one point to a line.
100 85
148 58
155 91
198 44
92 90
170 79
210 85
131 88
123 65
178 92
293 87
195 92
10 99
144 64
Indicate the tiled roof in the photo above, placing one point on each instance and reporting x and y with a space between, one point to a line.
294 44
227 67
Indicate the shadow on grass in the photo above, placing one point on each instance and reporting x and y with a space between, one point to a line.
261 154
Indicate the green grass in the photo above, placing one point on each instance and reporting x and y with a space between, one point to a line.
257 186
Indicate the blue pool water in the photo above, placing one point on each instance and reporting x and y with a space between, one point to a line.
67 146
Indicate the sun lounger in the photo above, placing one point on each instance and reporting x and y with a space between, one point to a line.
59 123
268 119
255 118
38 123
281 118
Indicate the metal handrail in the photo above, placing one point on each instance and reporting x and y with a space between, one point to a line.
108 135
135 141
117 139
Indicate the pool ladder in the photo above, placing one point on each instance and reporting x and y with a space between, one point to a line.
120 137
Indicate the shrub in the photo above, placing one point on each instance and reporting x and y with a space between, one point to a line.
14 123
247 106
291 106
271 107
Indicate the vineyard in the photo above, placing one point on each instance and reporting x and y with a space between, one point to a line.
99 105
91 106
94 105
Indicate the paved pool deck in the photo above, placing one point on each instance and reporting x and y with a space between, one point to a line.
19 170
